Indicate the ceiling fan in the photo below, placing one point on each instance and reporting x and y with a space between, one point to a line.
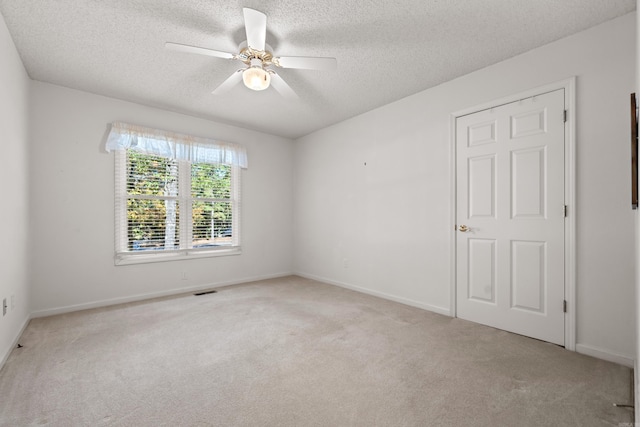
258 58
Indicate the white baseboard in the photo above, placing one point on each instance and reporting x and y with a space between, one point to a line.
401 300
14 344
605 355
140 297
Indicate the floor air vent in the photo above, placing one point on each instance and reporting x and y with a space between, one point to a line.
205 293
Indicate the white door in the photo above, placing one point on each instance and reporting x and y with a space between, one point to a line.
510 217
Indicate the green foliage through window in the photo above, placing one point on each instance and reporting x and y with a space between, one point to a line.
158 214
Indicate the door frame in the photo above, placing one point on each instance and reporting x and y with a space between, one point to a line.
569 86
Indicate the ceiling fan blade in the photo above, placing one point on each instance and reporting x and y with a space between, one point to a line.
199 50
231 81
307 63
255 24
282 87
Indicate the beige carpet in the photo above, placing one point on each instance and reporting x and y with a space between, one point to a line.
295 352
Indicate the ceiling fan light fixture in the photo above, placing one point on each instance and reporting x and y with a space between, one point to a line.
256 77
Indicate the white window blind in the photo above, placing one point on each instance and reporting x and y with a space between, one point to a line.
175 196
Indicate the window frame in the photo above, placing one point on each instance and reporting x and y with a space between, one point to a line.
185 202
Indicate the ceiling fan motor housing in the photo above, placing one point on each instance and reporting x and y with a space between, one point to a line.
247 54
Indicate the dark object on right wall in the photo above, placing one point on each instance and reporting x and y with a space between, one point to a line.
634 152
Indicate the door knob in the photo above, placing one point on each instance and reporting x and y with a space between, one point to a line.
463 228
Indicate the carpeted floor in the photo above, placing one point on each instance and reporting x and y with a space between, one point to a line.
295 352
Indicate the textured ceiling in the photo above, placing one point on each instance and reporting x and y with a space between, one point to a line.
386 50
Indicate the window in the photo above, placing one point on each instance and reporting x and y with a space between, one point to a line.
174 201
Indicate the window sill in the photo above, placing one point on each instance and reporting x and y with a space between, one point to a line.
128 259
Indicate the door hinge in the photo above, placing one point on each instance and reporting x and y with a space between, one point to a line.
564 212
564 117
564 306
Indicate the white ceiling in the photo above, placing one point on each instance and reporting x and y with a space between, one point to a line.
386 50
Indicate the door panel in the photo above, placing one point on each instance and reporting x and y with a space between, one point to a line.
528 187
482 186
528 278
482 274
529 123
482 133
510 197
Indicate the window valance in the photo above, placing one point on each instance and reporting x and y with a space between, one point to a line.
123 136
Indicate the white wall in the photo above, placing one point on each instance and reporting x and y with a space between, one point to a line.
14 213
72 199
385 227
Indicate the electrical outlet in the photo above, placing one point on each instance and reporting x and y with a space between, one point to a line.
4 306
